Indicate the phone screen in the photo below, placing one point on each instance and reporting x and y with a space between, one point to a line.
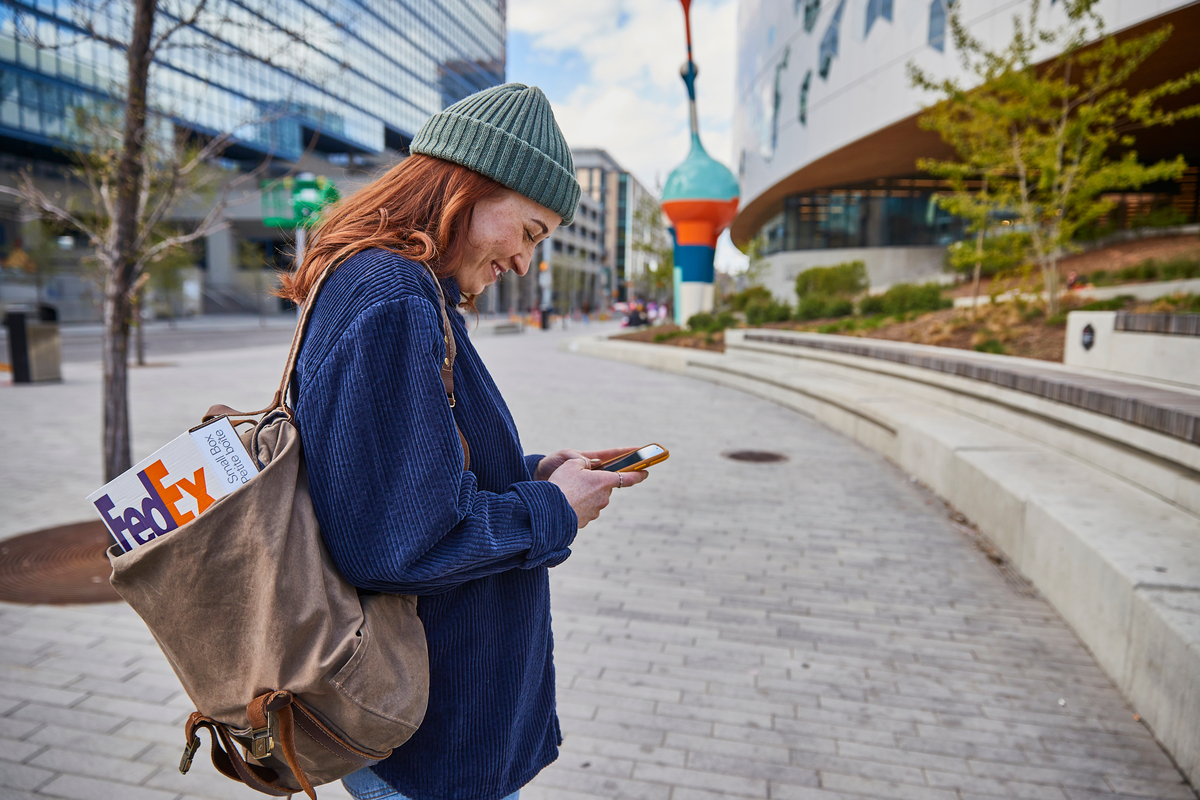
637 456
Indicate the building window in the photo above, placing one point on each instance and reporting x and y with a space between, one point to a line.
875 10
812 8
804 87
937 25
894 212
829 42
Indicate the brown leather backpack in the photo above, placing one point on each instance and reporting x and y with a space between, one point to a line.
282 657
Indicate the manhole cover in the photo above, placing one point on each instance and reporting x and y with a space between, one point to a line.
756 456
58 565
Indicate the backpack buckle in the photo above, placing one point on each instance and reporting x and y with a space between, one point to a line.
189 752
262 740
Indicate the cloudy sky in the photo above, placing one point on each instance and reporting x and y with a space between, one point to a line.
611 71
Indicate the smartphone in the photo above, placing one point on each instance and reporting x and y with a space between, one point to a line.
638 459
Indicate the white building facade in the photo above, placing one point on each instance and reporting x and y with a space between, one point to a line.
826 135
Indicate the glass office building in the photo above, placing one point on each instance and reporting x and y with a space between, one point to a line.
364 74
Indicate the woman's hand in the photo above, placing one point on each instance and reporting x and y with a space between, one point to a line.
588 490
550 463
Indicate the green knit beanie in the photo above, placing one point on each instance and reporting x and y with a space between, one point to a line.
507 133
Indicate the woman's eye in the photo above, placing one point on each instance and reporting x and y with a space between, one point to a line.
528 235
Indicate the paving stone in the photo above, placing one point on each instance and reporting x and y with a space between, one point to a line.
727 784
857 784
40 694
88 742
67 717
18 751
77 762
996 788
75 787
812 630
22 776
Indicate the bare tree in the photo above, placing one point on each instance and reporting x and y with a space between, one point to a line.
136 166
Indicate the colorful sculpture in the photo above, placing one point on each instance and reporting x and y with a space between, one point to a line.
700 199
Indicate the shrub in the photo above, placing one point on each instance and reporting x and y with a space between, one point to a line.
871 305
708 323
907 297
842 279
739 301
813 306
1151 270
1113 304
759 312
991 346
1180 268
841 307
1165 217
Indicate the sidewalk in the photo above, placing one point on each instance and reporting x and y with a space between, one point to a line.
813 629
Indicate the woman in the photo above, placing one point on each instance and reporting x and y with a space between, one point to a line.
410 505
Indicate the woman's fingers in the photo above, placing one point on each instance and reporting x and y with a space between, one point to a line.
609 454
588 491
627 479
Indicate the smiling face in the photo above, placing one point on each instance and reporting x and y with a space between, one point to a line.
504 229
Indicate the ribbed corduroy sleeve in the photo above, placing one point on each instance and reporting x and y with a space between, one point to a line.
531 464
397 510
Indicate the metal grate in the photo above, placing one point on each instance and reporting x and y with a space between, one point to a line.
755 456
57 565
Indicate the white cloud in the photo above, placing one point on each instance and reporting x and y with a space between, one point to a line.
633 102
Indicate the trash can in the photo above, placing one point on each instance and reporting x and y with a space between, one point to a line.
547 313
34 345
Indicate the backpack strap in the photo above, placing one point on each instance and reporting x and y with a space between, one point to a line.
279 401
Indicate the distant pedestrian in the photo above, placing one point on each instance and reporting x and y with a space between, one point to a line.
387 449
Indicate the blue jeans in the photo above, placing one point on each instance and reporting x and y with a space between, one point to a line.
366 785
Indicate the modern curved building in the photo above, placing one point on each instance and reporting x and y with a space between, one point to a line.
826 136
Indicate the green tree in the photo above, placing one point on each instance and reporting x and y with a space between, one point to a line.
756 268
657 281
1050 138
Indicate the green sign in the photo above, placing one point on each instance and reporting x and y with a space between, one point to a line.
297 202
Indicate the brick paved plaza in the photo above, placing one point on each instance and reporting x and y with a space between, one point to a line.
807 630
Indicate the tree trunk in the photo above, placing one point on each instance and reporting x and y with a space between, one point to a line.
141 334
115 354
1050 283
978 270
120 270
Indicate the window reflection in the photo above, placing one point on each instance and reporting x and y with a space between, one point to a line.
804 89
877 9
406 61
829 42
812 9
937 25
889 213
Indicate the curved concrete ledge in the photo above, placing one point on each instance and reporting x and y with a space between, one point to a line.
1102 515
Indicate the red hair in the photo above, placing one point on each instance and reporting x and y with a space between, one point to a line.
420 209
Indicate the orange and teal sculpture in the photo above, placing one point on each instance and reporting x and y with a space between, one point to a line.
700 199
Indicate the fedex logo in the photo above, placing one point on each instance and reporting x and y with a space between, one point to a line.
159 511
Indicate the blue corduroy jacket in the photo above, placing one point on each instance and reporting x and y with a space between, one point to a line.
399 514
